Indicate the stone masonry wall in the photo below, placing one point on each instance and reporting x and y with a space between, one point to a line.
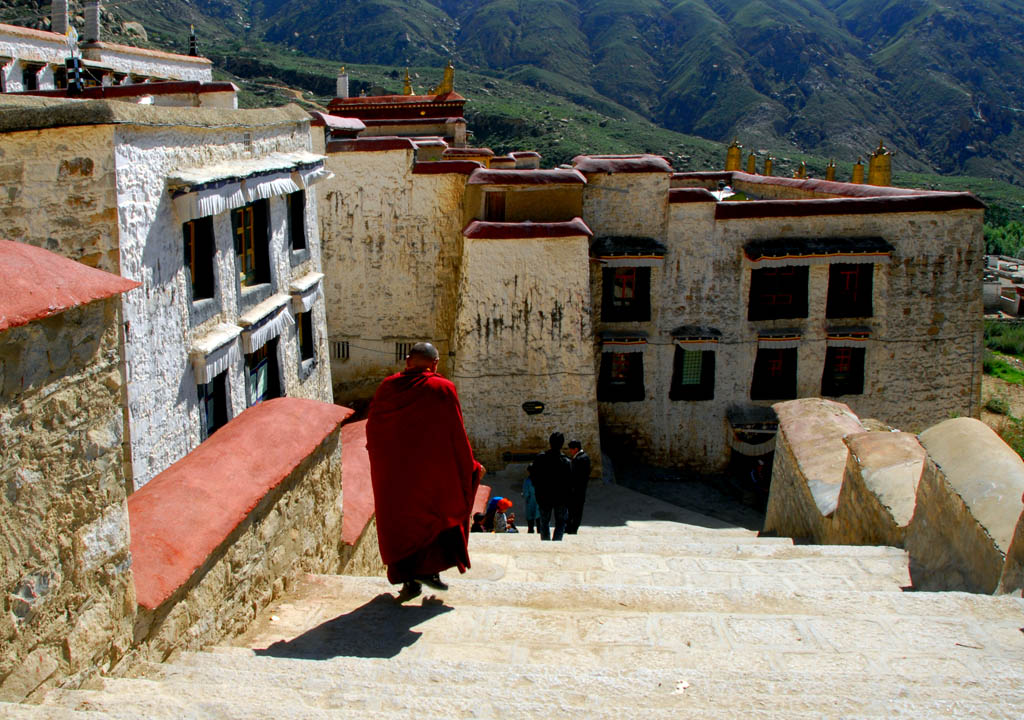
391 254
524 333
295 529
57 191
65 569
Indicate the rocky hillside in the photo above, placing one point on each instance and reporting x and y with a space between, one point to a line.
939 81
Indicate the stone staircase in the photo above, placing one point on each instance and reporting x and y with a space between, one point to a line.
650 611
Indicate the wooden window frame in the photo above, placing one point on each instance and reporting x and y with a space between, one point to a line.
306 339
778 293
495 203
621 378
843 372
845 301
200 256
297 220
636 307
250 227
775 374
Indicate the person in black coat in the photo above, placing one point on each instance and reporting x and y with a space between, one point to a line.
552 477
578 487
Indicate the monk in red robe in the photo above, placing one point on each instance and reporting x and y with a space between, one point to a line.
424 474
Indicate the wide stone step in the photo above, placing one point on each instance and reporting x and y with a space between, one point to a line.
463 690
869 572
14 711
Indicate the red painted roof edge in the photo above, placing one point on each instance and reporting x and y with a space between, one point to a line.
709 175
480 229
370 144
931 202
690 195
826 187
138 89
444 167
384 122
621 164
39 283
527 177
463 151
335 122
184 515
452 97
525 153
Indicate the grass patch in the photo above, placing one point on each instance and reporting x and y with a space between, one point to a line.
1005 337
996 366
1011 430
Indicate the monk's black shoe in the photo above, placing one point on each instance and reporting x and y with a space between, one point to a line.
409 590
433 581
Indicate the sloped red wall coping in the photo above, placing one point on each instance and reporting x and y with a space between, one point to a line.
526 230
370 144
445 167
184 514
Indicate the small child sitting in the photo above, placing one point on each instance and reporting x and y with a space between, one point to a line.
510 523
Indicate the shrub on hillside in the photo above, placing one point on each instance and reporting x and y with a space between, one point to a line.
998 405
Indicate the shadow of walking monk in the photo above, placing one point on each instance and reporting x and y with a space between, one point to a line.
379 629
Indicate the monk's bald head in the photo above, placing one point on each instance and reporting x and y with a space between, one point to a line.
422 355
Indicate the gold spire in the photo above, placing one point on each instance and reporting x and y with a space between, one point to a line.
407 85
880 166
801 172
768 163
733 156
447 82
830 170
858 172
752 163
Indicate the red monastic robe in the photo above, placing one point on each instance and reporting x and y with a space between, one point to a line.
423 472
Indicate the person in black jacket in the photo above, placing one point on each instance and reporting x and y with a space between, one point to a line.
578 486
552 476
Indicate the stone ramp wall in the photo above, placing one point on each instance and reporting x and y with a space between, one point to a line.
229 527
952 499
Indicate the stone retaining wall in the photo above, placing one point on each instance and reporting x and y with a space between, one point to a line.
65 571
951 497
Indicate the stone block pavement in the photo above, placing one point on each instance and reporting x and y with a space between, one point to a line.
651 611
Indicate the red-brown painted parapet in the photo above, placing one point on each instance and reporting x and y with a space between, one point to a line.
173 87
621 164
38 283
480 229
460 152
527 177
930 202
370 144
190 510
445 167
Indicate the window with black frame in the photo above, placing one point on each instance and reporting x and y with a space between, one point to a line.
774 374
693 375
850 287
622 377
200 251
213 404
778 293
297 220
843 373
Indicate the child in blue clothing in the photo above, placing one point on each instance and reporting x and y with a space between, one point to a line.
530 506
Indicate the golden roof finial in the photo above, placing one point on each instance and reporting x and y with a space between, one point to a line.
407 84
448 81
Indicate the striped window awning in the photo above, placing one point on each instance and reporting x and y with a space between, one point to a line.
778 340
215 352
623 342
851 337
627 251
817 251
697 337
213 189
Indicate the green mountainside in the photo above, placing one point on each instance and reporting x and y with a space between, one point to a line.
804 80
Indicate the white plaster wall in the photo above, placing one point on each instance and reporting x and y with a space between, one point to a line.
33 49
125 61
392 249
162 397
524 333
626 203
922 364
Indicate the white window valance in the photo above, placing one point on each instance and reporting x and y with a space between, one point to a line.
623 346
698 345
265 321
306 291
265 187
212 189
847 341
307 176
215 352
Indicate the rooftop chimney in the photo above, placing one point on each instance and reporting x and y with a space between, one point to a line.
59 16
92 21
342 89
